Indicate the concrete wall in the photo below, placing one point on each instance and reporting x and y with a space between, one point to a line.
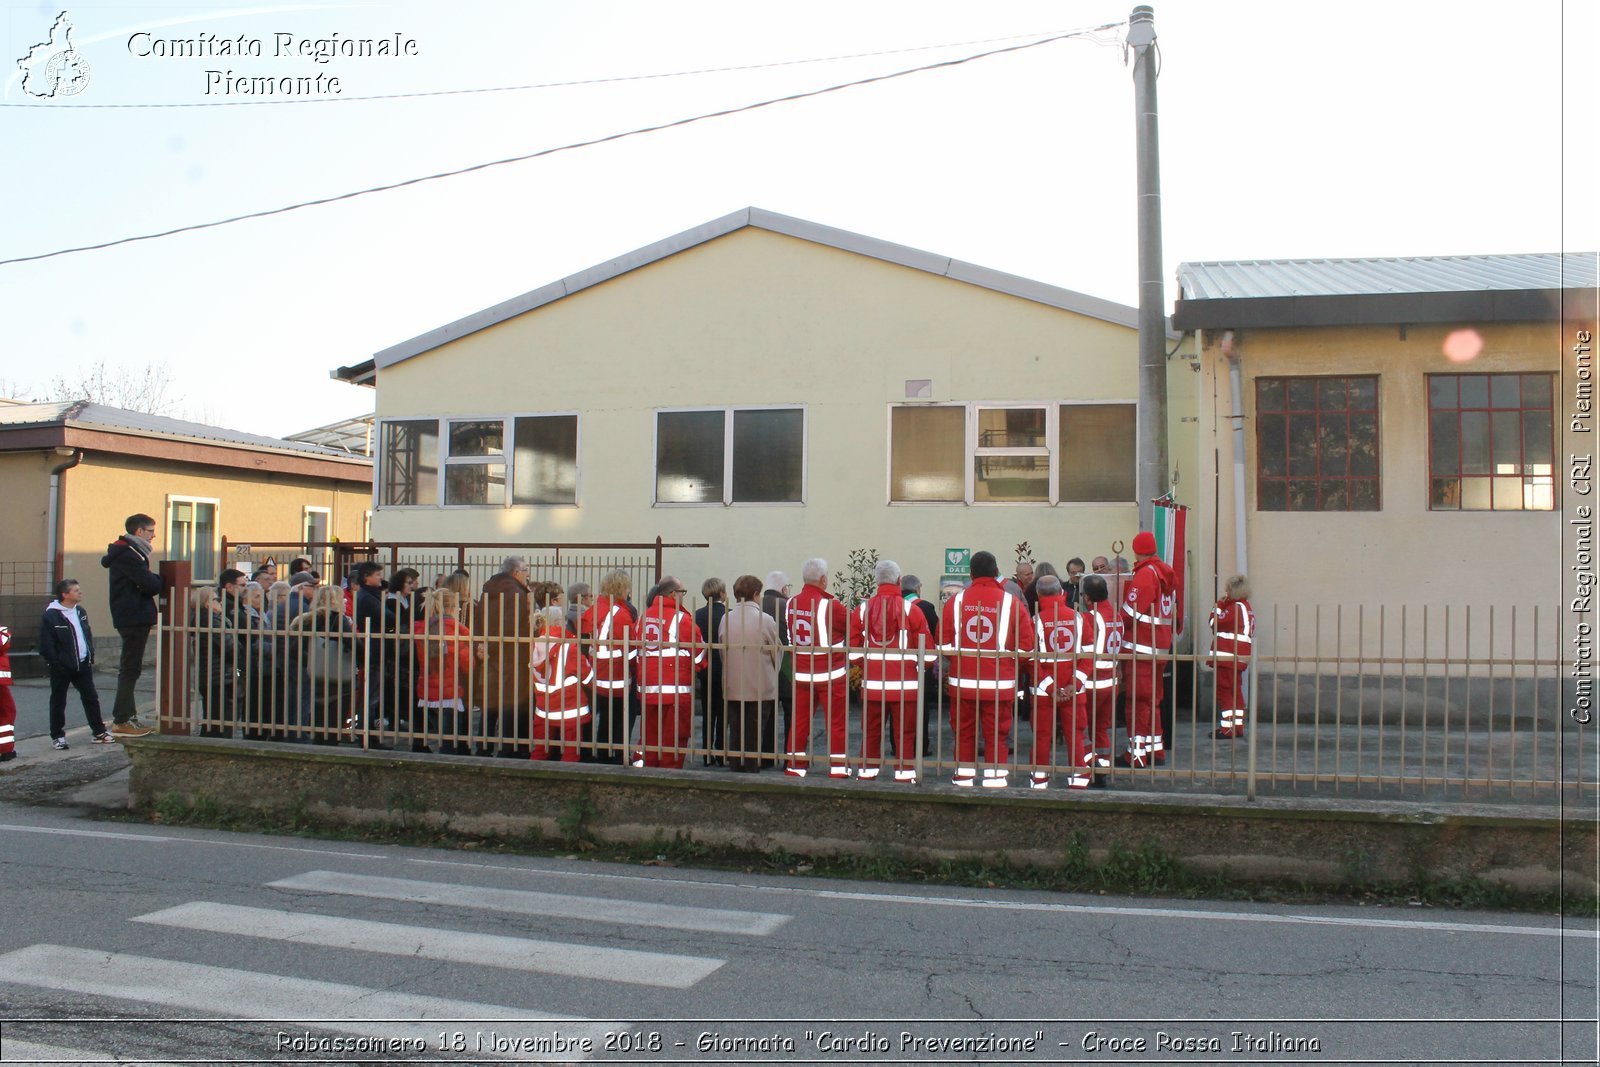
758 318
1320 842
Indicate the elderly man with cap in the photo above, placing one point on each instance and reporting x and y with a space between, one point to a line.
1148 601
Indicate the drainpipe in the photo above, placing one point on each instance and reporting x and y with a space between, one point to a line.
1230 351
72 457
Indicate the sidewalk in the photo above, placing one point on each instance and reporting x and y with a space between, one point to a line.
97 774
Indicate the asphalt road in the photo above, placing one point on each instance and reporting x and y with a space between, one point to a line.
119 936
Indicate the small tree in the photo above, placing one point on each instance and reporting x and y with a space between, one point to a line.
1024 554
146 388
857 582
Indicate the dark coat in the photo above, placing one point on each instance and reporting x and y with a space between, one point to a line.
505 612
134 586
57 645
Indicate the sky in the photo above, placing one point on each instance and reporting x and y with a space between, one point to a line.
1288 130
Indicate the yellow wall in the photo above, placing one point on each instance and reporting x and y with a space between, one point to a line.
25 481
760 318
1352 562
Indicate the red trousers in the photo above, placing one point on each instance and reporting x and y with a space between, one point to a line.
990 711
901 709
568 732
665 724
1066 720
1230 693
8 720
1100 715
1143 689
834 699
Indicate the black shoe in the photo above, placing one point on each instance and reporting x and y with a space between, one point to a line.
1101 781
7 757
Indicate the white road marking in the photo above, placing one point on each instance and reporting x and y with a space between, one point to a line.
457 946
14 1051
224 993
79 833
526 902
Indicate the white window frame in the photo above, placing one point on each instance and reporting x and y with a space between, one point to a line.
972 452
216 533
507 457
727 500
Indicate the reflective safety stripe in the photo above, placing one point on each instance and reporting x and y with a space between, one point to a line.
886 657
888 687
1005 623
609 653
1100 683
905 776
1151 619
1043 688
1146 649
995 772
1241 638
839 672
562 716
966 772
611 684
867 773
5 674
7 731
673 690
983 683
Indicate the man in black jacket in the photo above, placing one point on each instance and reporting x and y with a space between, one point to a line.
66 644
134 588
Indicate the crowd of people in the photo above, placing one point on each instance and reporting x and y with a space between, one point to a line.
527 669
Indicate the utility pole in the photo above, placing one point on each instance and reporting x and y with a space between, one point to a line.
1152 421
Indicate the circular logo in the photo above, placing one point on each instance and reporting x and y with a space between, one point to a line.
1133 596
1061 638
652 631
67 73
1168 602
1114 641
980 628
802 631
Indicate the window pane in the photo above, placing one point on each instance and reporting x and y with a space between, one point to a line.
1333 438
1011 428
1272 452
1335 495
1302 394
1445 494
1536 390
1505 391
1302 444
689 447
1507 429
1539 494
1475 494
1508 494
1475 442
410 462
475 483
1015 478
1303 495
1270 496
1474 390
1442 391
1330 394
1536 440
477 438
1269 394
1444 443
544 466
768 454
1364 394
1364 443
927 452
1099 446
1364 494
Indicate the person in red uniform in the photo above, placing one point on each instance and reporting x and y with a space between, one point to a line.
820 631
1097 667
892 633
666 636
1058 714
608 623
1233 626
8 706
983 632
1147 605
562 675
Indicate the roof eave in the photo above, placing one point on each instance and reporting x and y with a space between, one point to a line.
1376 309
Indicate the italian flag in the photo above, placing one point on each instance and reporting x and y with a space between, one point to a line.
1170 521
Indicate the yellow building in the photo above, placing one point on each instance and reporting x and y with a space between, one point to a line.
778 390
1404 430
72 472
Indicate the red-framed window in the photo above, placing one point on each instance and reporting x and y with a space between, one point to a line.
1317 444
1491 442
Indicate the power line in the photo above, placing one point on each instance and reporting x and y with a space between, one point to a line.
1054 35
549 151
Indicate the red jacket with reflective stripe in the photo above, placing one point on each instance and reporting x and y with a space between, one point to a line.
666 666
5 656
1235 627
610 623
444 659
890 634
560 681
1058 640
984 618
819 626
1102 640
1147 606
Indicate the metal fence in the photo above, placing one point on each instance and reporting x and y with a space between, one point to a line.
1411 724
26 588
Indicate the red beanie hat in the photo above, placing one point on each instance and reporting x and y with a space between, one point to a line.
1144 543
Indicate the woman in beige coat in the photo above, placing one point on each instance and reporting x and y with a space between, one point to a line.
749 675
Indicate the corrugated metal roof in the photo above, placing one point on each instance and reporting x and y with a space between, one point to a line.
1267 278
103 416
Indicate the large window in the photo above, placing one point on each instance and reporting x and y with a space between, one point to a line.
192 535
731 456
1491 444
1317 444
1012 453
535 455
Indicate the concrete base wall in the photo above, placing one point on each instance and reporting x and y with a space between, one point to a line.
1329 843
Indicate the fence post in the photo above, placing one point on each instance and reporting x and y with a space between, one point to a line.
1251 733
172 682
659 555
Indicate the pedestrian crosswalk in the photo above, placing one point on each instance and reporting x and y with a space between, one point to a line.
206 991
